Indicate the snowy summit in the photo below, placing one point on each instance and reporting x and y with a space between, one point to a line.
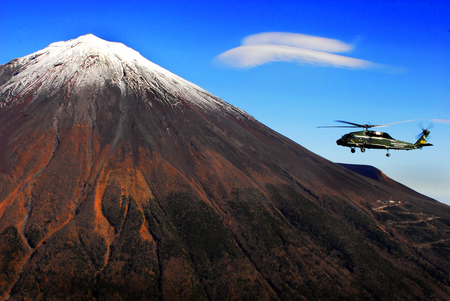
90 62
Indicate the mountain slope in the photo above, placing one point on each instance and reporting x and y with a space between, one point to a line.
377 175
120 180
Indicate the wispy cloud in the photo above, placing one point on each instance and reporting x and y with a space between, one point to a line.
269 47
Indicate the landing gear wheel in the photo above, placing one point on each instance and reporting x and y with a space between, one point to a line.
353 150
388 155
363 149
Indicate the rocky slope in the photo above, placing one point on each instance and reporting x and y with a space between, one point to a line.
121 181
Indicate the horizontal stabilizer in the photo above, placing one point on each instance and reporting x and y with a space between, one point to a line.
426 144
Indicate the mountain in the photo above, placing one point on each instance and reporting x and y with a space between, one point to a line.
122 181
377 175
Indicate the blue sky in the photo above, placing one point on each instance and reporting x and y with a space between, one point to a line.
401 51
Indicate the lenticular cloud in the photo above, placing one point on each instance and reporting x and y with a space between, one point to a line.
297 40
269 47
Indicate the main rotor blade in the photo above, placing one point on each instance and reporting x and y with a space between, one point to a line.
354 124
444 121
366 126
389 124
337 126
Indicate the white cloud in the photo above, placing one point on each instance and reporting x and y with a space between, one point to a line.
297 40
269 47
249 56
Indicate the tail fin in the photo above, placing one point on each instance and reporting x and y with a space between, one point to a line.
422 140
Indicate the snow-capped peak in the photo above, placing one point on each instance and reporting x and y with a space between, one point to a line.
89 61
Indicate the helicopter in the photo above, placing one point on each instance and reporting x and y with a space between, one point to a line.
377 140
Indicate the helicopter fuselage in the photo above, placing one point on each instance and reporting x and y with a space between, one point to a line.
378 140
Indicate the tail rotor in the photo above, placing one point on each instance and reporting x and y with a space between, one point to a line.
425 131
422 137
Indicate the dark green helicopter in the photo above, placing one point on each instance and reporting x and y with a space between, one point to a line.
378 140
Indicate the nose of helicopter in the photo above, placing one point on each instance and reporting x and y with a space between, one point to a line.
340 141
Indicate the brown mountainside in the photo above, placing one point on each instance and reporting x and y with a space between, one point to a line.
122 181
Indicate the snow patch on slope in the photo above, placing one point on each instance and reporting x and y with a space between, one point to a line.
91 61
